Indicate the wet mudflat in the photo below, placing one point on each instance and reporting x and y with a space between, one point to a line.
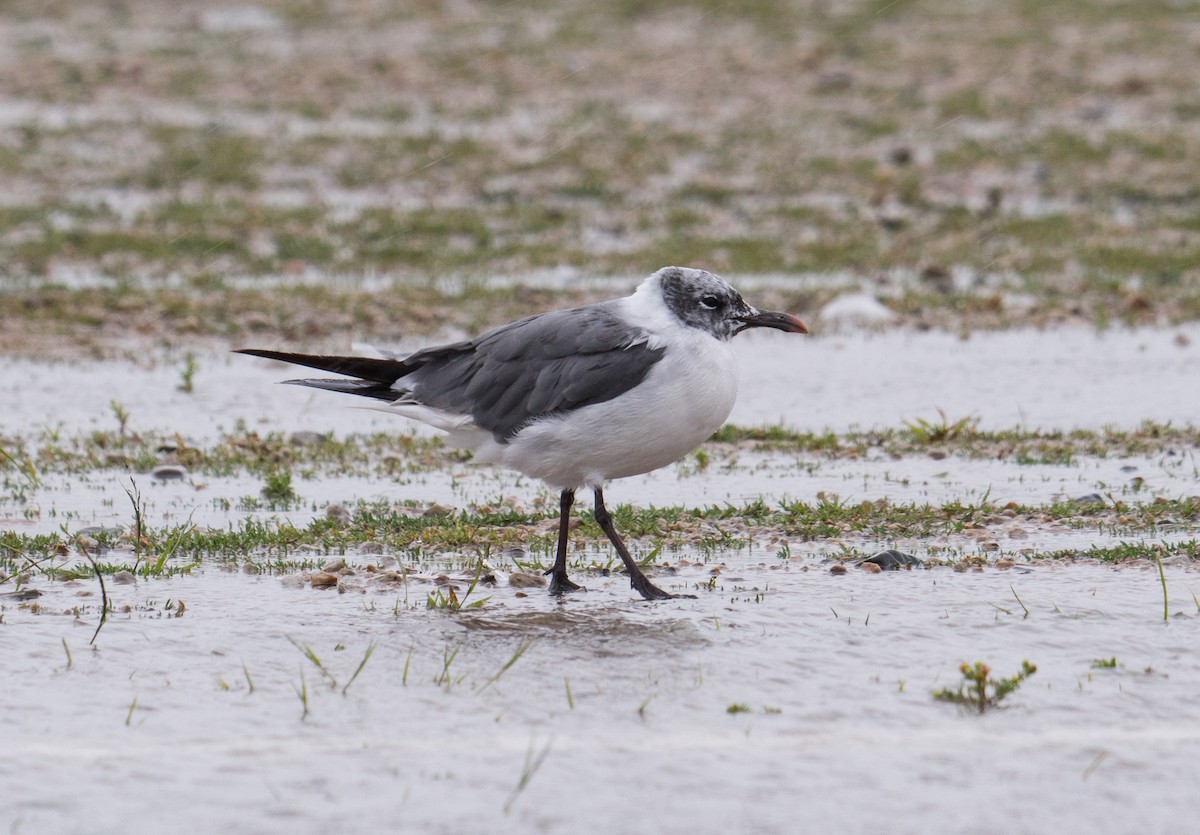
320 680
1007 197
783 696
1064 378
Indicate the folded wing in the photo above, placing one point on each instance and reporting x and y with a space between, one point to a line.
533 368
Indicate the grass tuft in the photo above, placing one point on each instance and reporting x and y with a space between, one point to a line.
359 668
979 690
926 432
533 762
521 648
1162 576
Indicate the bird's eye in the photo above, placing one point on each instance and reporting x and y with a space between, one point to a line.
710 302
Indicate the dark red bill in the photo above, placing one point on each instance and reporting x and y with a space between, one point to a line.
768 319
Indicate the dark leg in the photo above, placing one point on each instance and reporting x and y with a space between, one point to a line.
558 574
637 579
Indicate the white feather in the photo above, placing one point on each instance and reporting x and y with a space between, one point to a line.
686 397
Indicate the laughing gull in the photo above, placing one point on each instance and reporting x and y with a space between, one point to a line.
576 397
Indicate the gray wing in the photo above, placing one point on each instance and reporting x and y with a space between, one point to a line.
533 368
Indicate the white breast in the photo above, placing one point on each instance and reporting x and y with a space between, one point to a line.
686 397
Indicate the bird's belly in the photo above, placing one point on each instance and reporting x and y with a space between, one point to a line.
685 398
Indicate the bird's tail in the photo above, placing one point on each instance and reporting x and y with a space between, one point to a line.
376 377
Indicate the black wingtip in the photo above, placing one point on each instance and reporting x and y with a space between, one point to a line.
386 371
362 388
269 355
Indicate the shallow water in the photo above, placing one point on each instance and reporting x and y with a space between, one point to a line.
79 502
1071 378
618 709
158 724
838 382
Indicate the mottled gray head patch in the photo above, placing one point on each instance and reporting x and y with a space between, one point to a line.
703 300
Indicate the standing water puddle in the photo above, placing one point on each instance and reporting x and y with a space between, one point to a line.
785 698
1066 378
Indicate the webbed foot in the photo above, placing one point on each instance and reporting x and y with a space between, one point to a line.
561 584
650 591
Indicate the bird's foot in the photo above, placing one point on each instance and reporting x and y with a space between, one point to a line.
652 592
560 584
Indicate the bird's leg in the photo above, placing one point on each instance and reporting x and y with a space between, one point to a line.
558 574
639 581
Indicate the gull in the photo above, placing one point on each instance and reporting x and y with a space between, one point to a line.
576 397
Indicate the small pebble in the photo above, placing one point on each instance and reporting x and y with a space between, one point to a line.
870 568
169 472
337 513
547 526
833 81
123 578
99 532
322 580
524 580
334 566
856 308
838 569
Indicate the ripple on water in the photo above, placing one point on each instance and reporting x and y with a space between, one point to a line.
831 675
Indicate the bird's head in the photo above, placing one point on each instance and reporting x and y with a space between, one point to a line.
702 300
